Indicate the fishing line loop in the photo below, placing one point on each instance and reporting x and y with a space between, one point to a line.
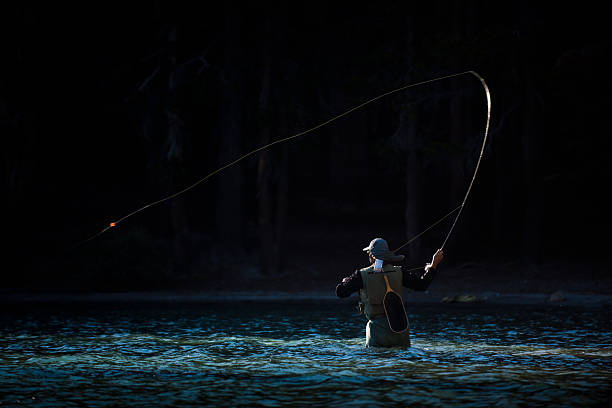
361 105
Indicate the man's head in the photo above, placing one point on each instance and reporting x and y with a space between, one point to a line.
379 249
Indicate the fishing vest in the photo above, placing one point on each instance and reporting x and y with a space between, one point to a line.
374 288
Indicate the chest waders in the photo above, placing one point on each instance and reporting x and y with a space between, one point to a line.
384 308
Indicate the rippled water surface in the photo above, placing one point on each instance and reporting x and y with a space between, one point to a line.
245 354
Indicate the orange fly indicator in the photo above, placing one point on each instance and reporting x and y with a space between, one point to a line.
112 224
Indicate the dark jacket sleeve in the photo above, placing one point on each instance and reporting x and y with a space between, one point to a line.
418 280
350 284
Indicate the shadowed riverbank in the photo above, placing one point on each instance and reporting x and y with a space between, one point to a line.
474 283
451 299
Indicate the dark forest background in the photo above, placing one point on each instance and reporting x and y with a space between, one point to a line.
105 108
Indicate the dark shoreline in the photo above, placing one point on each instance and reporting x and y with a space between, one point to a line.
450 299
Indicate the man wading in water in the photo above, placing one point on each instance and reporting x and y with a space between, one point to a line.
382 308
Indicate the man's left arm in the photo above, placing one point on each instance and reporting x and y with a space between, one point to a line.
419 280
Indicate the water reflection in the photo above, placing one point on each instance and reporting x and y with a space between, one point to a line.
271 355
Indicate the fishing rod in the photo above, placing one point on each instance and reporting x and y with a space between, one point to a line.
467 193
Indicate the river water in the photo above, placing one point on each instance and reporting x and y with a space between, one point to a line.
247 354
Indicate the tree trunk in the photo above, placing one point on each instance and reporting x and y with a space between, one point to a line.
530 244
408 128
462 160
229 205
264 170
174 155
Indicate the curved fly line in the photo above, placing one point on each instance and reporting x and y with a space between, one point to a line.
327 122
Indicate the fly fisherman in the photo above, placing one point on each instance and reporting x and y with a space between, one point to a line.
374 284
